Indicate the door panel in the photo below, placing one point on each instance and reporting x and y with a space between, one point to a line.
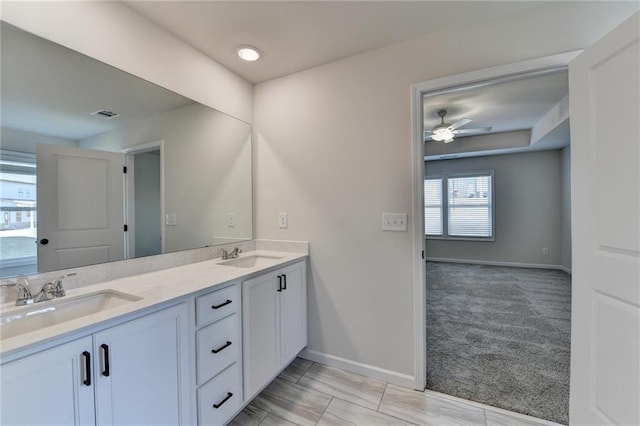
605 150
80 207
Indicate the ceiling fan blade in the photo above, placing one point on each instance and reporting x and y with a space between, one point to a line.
460 123
428 138
471 131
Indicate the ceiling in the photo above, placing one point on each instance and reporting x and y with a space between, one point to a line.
513 106
52 90
297 35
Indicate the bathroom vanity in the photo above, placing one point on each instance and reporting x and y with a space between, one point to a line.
187 345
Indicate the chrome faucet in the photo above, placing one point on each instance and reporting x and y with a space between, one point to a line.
234 253
52 290
47 292
58 290
24 294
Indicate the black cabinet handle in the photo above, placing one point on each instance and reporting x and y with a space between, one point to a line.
226 345
44 241
219 404
279 282
105 351
284 279
87 368
221 305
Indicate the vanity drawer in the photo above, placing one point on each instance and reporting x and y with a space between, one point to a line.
218 346
221 397
218 304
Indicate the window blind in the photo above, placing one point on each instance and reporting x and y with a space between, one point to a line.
433 206
470 206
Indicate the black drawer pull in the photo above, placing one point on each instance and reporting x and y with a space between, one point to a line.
279 282
284 280
226 345
221 305
87 368
105 351
219 404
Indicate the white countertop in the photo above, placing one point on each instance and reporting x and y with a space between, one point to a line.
154 287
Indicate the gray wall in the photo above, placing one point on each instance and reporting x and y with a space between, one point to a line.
565 175
148 214
528 209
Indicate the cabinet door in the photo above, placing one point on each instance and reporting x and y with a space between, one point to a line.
49 388
293 312
261 341
142 370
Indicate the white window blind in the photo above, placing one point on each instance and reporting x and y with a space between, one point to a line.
433 206
470 207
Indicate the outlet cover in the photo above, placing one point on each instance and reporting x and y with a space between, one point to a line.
231 220
283 221
170 220
394 222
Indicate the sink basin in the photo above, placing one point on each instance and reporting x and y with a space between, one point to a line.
25 319
251 261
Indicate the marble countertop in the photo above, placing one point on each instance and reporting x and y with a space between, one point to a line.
154 288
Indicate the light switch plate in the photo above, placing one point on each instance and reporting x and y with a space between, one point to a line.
394 222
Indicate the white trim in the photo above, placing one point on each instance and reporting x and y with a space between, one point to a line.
499 263
419 247
478 78
366 370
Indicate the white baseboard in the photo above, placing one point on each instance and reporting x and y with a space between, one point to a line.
497 263
359 368
565 269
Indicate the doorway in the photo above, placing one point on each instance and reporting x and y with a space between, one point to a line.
144 199
454 86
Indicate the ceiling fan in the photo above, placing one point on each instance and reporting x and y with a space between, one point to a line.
445 132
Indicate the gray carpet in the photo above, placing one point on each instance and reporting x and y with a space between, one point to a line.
500 336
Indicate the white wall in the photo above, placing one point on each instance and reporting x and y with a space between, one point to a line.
528 207
113 33
207 172
333 150
565 175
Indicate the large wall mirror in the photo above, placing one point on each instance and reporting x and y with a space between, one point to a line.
70 127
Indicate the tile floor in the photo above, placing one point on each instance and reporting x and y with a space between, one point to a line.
308 393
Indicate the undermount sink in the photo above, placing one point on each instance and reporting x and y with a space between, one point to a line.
33 317
251 261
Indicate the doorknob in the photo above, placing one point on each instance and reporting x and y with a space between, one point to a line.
44 241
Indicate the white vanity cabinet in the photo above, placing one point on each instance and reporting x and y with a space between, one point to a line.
274 310
218 341
49 388
132 373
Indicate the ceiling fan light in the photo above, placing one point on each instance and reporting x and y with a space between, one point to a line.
443 135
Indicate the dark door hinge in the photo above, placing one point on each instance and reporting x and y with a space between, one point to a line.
423 254
126 228
124 169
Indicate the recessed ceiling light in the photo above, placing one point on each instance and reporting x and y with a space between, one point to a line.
248 53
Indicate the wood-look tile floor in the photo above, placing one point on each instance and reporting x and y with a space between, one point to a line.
308 393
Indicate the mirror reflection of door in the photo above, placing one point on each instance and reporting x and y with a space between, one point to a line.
147 204
83 190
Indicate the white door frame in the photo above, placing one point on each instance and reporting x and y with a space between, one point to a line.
129 193
473 79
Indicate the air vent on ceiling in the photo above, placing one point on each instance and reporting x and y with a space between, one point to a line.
105 114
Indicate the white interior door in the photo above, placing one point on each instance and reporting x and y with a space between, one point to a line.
605 161
80 207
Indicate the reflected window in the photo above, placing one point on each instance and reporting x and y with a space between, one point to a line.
18 230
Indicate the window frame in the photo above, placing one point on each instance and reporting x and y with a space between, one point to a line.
444 177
